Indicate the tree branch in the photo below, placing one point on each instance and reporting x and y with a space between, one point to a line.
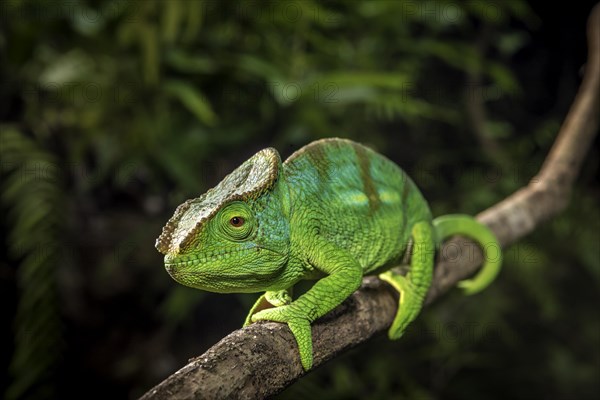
262 359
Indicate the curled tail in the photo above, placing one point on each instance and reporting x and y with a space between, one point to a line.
465 225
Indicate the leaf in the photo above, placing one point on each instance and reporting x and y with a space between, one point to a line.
388 80
148 39
259 67
34 202
171 20
66 69
195 14
504 78
183 61
192 99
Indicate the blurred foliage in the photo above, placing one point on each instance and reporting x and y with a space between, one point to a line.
114 112
34 196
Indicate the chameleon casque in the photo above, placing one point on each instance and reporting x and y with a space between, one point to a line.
334 211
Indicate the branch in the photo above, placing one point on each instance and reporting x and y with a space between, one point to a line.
262 359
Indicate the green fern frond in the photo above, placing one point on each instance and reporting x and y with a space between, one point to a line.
31 195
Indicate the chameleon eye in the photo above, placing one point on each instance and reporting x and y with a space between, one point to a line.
237 221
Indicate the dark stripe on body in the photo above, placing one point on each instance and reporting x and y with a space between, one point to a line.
404 206
365 174
405 191
319 160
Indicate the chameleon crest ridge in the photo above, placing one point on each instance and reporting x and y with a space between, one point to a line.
251 179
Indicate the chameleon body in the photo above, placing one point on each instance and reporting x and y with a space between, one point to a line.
334 211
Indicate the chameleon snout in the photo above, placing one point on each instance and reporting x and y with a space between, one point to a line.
169 268
170 264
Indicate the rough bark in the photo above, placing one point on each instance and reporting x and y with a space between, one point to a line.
262 359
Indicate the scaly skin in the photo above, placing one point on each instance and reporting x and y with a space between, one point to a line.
334 211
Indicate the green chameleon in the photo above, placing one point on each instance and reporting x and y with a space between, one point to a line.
334 212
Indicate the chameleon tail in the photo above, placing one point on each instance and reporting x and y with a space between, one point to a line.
465 225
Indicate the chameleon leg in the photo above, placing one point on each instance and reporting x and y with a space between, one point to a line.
344 277
269 300
412 287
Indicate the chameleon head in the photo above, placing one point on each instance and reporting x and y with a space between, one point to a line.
235 237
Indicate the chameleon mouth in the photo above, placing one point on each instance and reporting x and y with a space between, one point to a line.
219 282
174 260
191 271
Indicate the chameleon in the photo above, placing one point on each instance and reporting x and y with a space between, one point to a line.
333 212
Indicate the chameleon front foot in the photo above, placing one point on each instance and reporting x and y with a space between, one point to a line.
300 327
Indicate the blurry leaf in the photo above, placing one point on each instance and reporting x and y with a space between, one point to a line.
172 17
148 39
498 129
258 67
126 34
180 303
389 80
522 11
531 262
458 55
352 94
195 14
406 107
193 100
504 78
87 20
69 68
510 43
179 170
35 203
184 62
489 11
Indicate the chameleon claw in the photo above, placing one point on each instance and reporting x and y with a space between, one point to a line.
301 331
300 328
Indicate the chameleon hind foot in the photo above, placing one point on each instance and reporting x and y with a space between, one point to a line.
409 303
412 287
269 299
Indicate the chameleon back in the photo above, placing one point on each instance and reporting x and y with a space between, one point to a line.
356 198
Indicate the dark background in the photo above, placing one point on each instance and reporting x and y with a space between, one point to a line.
112 113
